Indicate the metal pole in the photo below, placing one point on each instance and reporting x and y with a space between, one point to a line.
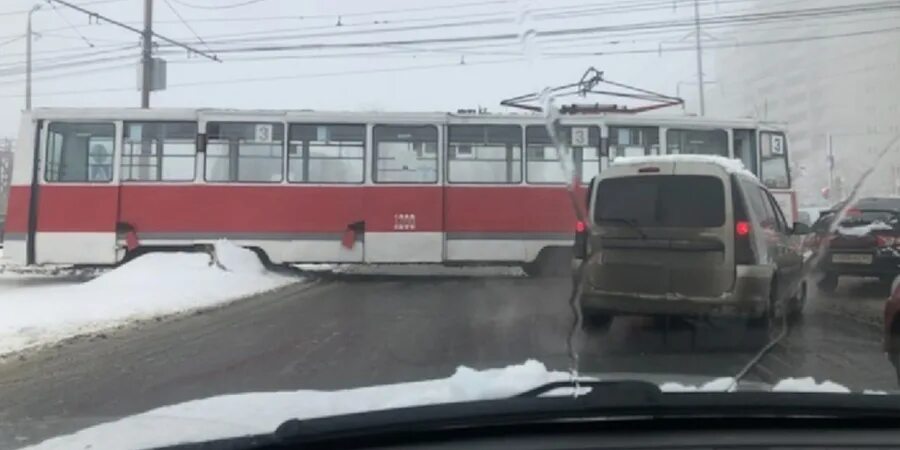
699 42
147 54
29 35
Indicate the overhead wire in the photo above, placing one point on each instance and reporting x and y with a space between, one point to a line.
13 70
186 24
471 63
220 6
70 24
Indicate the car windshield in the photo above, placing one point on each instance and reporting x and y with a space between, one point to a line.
218 215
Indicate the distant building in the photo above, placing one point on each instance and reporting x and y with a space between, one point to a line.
843 89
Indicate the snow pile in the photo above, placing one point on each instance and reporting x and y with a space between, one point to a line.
152 285
809 384
261 412
728 164
864 229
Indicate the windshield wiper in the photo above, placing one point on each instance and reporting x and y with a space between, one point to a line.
632 224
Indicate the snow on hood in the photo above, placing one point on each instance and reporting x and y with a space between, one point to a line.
864 229
809 384
261 412
730 165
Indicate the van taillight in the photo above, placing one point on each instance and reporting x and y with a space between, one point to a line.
581 237
743 241
648 170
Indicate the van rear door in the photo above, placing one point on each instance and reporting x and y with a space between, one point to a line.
665 232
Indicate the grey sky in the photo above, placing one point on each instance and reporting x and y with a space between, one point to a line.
386 77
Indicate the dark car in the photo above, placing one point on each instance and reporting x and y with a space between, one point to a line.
674 236
866 243
892 327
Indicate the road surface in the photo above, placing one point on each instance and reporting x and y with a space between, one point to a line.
357 330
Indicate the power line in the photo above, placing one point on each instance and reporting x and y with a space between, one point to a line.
186 24
655 25
25 11
233 5
406 47
474 63
70 24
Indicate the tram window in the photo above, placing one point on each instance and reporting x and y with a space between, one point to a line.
244 152
326 153
405 154
633 141
80 152
542 158
745 148
773 156
484 154
159 151
697 142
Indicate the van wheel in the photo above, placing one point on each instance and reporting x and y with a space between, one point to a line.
595 322
829 283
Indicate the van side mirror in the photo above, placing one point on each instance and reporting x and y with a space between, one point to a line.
801 228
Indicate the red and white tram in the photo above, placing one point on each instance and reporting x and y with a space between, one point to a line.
90 185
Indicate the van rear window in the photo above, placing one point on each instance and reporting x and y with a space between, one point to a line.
662 201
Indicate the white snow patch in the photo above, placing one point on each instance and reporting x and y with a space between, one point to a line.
730 165
864 229
717 385
808 384
152 285
874 392
261 412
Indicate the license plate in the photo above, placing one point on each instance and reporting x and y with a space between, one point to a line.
852 259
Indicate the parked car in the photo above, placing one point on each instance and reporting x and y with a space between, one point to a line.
687 236
866 243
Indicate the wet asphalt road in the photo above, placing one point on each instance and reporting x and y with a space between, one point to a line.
356 330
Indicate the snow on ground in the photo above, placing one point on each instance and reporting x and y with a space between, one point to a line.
152 285
261 412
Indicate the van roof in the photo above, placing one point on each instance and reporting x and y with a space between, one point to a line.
727 164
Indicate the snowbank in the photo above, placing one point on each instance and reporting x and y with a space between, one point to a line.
261 412
730 165
151 285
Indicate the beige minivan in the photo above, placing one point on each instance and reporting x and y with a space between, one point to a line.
687 235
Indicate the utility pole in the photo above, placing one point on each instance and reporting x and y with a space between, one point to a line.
147 54
147 35
29 36
699 42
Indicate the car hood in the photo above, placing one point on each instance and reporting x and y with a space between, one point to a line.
256 413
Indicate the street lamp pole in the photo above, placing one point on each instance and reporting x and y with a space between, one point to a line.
28 38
